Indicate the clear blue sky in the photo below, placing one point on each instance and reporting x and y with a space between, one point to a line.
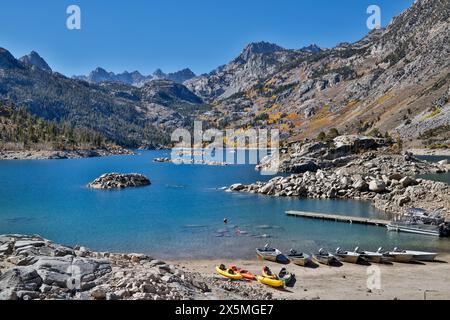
172 34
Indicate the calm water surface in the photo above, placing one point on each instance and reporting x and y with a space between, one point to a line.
180 215
437 177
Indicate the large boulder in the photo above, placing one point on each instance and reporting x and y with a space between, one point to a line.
361 185
310 149
6 248
267 188
237 187
18 279
407 182
119 181
377 185
357 142
303 167
66 271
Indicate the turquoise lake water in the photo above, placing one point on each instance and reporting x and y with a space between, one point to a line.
437 177
180 215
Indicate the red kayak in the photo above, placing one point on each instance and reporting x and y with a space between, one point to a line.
247 275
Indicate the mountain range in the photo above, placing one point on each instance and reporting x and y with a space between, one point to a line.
125 114
135 78
394 80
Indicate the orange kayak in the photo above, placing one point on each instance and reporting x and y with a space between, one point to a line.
246 275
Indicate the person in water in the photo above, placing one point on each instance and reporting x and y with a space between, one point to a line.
225 221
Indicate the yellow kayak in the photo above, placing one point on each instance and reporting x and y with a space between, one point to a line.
271 282
229 273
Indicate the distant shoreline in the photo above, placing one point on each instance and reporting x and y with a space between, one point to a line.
61 154
429 152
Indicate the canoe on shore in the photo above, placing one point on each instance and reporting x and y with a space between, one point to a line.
347 256
300 259
418 255
324 257
272 254
398 256
374 257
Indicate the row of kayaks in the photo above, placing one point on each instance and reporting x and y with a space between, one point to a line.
266 277
358 255
235 273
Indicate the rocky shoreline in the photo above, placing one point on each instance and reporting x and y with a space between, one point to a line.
349 151
357 168
34 268
393 194
61 154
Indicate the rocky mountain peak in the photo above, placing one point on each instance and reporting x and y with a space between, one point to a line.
159 74
255 48
312 48
181 76
7 60
99 70
34 59
100 75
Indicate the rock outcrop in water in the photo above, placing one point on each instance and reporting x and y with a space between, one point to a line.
355 167
353 154
33 268
361 154
119 181
392 193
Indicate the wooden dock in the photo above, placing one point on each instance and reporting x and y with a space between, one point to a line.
339 218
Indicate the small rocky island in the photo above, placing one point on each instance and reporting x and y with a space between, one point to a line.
110 181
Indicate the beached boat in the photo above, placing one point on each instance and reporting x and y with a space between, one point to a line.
300 259
272 254
228 273
324 257
419 221
375 257
347 256
414 227
419 255
397 256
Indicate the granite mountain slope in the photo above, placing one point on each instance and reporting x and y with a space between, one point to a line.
395 79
